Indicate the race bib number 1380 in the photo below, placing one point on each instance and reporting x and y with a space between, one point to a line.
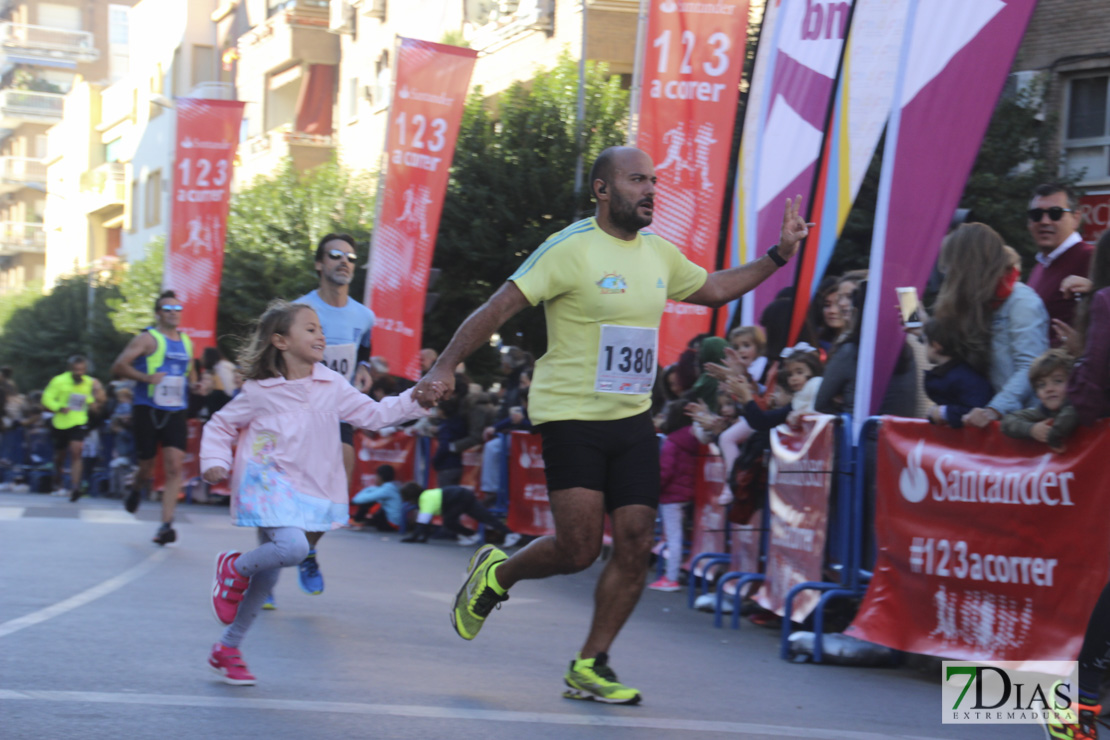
626 359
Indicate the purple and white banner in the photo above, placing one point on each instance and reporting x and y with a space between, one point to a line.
784 124
955 59
859 114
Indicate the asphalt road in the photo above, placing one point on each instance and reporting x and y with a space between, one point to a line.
105 635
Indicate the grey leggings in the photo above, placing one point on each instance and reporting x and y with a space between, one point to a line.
285 546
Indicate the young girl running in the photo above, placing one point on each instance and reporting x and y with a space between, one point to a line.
287 477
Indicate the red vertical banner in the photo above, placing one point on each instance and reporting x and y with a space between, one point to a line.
690 83
529 507
801 480
207 134
428 100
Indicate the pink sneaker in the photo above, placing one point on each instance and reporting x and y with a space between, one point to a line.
228 662
228 588
665 584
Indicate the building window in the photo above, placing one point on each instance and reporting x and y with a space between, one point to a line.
352 98
133 217
1087 132
153 199
383 76
112 150
204 64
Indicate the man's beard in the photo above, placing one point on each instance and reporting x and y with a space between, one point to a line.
624 213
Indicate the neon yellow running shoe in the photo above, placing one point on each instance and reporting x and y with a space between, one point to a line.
478 595
593 680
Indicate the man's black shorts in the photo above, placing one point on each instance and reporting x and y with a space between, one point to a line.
155 427
62 437
346 433
619 458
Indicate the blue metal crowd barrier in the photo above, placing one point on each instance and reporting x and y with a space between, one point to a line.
846 548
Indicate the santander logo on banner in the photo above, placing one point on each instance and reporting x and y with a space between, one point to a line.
960 480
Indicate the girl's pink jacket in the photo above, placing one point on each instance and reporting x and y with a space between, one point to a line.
288 465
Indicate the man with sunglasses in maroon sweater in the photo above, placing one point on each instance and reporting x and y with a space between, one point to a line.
1053 222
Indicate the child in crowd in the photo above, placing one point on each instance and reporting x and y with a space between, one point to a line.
749 343
801 374
387 495
678 468
287 474
451 502
1054 419
952 384
799 378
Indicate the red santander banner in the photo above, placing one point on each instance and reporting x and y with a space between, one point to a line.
989 548
424 116
690 84
800 482
529 507
371 451
710 518
207 134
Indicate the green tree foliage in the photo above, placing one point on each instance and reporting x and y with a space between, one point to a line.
39 338
272 230
16 301
133 310
512 185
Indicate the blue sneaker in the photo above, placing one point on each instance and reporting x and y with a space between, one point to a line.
269 604
309 575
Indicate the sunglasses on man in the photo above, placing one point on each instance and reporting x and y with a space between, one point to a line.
1055 213
175 307
338 254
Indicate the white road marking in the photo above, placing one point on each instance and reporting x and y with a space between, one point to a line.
445 598
742 729
108 516
92 594
12 512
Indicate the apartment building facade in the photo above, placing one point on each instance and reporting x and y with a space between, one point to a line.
45 49
514 38
1067 50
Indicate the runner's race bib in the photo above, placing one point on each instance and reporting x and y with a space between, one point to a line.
341 359
77 402
626 359
171 391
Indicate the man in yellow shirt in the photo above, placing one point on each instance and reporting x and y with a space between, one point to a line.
604 284
69 396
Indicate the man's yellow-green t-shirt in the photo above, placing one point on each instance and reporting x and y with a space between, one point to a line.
594 287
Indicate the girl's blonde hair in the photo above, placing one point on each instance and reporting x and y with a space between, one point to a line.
755 333
259 358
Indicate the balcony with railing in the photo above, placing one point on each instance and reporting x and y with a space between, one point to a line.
104 186
21 43
213 91
117 103
298 32
262 154
29 106
21 172
19 238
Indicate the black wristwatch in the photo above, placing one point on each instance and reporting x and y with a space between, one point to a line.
773 253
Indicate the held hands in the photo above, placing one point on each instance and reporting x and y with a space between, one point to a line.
215 475
433 387
981 417
794 228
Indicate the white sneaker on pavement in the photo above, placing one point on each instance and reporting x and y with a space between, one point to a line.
511 539
470 541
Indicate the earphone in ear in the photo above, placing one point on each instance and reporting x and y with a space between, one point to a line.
602 188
